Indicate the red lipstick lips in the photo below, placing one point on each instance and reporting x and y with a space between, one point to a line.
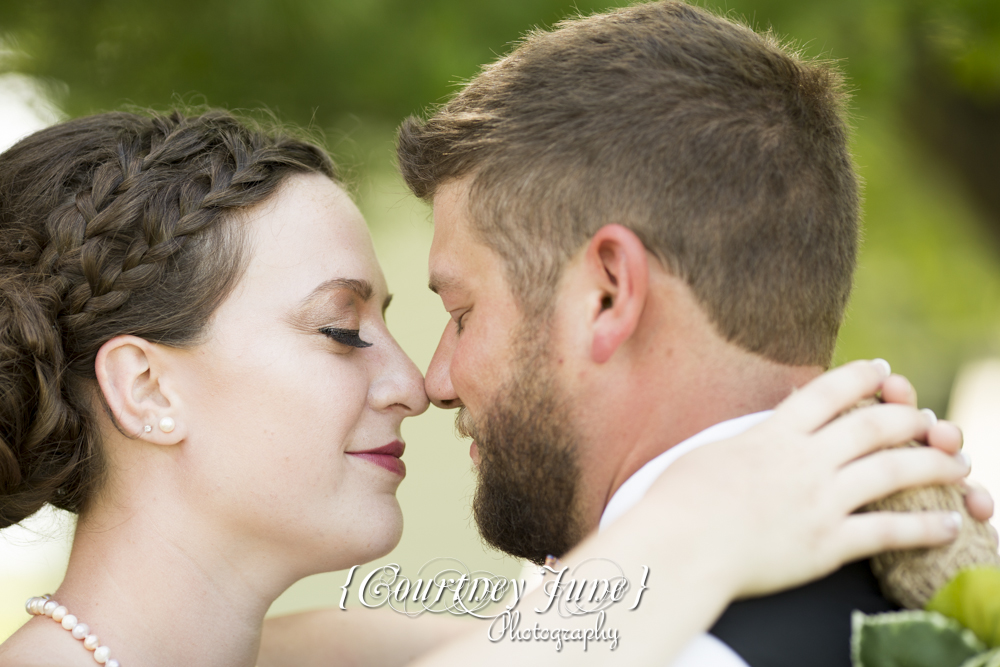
386 457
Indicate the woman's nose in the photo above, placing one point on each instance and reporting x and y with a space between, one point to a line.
401 385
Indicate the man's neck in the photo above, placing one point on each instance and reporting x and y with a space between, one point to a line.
670 412
723 398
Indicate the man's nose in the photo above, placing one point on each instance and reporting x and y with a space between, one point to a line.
437 381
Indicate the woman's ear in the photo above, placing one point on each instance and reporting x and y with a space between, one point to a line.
618 267
130 374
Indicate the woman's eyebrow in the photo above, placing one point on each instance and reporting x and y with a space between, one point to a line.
321 295
362 288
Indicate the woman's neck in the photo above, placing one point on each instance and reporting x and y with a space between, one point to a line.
158 591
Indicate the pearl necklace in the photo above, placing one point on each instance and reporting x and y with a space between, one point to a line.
46 606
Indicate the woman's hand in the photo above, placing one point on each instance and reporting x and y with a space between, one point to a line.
782 494
945 436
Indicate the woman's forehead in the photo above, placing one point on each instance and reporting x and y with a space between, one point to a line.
309 233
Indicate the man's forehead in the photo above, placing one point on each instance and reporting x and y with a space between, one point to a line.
445 264
450 215
456 255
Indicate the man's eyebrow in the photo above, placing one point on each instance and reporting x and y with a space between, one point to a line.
362 288
440 283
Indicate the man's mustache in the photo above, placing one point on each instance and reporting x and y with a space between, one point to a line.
464 424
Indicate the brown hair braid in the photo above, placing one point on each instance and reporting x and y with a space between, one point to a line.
113 224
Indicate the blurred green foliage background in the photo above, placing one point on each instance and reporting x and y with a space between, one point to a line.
926 113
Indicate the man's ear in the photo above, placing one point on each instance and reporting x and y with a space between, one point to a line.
618 267
130 375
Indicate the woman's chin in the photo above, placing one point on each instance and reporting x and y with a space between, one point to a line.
379 531
386 538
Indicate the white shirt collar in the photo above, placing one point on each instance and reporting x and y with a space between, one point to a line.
636 486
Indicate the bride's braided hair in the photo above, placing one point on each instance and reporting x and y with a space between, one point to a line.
113 224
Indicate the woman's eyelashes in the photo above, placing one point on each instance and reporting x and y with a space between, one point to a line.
349 337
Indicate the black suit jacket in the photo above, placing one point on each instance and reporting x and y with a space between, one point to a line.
805 626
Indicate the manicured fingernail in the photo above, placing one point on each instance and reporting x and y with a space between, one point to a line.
930 415
883 367
954 521
964 458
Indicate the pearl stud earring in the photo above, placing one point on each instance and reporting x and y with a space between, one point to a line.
167 424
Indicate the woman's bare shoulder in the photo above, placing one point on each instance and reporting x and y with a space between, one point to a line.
40 644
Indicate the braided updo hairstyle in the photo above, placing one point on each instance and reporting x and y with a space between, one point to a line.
113 224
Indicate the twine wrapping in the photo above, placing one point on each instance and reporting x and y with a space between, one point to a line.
912 577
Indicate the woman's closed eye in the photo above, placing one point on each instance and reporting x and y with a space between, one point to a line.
349 337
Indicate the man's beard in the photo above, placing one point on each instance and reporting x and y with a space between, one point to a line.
528 474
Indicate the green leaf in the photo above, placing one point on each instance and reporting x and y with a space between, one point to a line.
911 639
988 659
973 599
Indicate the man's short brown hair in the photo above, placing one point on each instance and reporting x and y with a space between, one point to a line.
725 153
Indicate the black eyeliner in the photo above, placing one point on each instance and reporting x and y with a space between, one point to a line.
345 336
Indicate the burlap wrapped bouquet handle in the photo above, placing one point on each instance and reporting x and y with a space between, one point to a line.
912 577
